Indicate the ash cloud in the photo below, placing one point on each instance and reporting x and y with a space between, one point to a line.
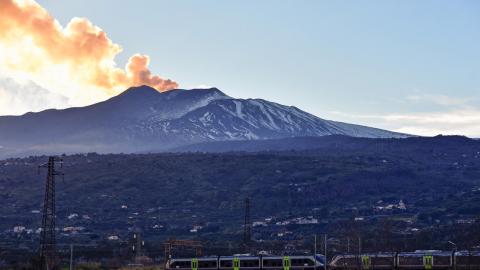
32 42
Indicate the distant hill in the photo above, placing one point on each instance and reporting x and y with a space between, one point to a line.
339 179
336 143
143 119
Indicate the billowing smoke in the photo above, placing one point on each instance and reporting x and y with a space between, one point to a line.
34 43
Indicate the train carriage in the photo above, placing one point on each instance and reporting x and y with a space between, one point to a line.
275 263
179 264
364 261
346 262
239 262
467 260
249 263
382 260
293 262
430 259
302 263
205 263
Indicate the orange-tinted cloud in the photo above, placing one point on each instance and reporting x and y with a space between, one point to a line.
137 67
33 40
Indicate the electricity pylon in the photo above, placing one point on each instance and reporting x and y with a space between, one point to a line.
47 250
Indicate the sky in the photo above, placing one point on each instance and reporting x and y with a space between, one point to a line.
408 66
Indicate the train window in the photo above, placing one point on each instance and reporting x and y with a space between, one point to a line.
249 263
382 260
466 260
177 264
181 265
226 264
302 262
272 263
207 264
442 260
410 260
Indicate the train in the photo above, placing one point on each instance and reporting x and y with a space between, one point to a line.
247 262
417 260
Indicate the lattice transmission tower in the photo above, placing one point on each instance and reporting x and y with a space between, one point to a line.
47 249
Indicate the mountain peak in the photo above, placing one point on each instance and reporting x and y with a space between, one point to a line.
145 90
207 91
139 90
210 89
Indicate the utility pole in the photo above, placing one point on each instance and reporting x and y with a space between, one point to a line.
247 230
454 251
315 252
47 250
359 246
71 256
326 260
348 244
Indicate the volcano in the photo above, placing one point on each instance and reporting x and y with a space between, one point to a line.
141 119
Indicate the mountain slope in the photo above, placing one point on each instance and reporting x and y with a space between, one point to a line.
142 119
339 144
238 119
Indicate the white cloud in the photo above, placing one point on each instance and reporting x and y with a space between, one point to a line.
442 100
452 116
461 121
18 97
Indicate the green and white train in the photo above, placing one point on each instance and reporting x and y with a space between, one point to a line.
418 260
267 262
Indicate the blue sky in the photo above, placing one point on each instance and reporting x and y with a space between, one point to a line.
411 66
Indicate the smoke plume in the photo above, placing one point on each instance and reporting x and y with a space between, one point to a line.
34 43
